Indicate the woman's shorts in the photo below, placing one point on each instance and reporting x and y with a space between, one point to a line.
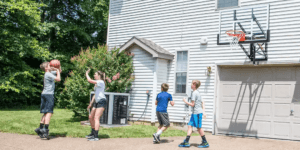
101 103
47 103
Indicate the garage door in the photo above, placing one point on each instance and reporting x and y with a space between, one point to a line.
259 101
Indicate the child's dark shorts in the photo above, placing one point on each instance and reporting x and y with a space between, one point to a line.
163 118
47 103
101 103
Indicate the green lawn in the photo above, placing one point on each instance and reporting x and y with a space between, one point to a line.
62 124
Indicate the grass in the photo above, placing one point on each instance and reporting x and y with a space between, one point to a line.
63 124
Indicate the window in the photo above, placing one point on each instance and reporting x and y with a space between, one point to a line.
227 3
181 71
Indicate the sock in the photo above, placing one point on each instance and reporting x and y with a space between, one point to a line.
96 133
93 131
187 139
204 139
159 132
46 126
41 125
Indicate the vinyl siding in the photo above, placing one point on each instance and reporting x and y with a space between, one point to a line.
143 71
180 24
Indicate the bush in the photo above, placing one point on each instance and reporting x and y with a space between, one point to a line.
118 70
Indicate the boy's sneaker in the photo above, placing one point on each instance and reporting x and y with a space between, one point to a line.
37 130
155 137
184 144
154 141
203 145
93 139
45 133
89 136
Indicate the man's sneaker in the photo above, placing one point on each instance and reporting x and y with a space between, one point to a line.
158 137
184 144
203 145
155 137
93 139
45 133
90 135
37 130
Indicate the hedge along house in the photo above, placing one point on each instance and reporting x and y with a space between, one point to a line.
240 98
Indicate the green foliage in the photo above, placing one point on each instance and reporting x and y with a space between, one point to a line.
32 32
116 65
20 28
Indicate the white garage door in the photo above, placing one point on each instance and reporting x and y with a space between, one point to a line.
259 101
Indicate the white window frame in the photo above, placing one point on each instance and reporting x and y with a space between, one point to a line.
217 1
187 73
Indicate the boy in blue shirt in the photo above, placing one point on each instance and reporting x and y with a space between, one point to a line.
162 101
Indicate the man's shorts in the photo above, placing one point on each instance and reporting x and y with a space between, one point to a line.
196 120
47 103
101 103
163 118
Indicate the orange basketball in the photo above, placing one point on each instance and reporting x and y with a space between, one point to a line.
55 63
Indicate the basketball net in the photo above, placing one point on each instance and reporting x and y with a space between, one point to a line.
234 42
234 37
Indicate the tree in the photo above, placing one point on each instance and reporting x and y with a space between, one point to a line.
118 69
20 28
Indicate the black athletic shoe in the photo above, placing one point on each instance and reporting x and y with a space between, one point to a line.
37 130
203 145
93 138
45 133
89 136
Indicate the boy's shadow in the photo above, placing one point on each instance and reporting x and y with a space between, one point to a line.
165 141
194 145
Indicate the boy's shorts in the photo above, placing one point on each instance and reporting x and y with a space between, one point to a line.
101 103
163 118
196 120
47 103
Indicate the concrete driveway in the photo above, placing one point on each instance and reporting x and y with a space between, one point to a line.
10 141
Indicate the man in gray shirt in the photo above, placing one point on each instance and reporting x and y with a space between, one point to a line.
47 98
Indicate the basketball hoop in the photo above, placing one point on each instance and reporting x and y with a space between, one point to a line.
234 38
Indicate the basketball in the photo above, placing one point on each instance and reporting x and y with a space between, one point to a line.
55 63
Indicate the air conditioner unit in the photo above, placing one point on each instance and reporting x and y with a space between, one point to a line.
116 111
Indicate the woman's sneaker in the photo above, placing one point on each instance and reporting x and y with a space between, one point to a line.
184 144
203 145
45 133
93 139
37 130
89 136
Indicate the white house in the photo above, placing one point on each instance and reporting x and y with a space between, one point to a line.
240 98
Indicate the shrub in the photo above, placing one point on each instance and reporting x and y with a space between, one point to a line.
118 70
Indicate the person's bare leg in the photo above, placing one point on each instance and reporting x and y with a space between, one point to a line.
98 114
159 127
190 130
201 131
43 119
91 118
47 118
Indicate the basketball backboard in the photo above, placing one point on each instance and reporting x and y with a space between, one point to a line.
246 25
253 21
